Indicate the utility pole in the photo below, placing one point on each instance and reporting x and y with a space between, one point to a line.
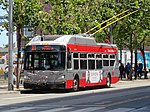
135 65
111 33
10 49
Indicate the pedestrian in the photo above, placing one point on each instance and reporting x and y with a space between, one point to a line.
140 68
121 69
127 69
14 78
6 72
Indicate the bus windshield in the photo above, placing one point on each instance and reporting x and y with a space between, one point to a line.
45 60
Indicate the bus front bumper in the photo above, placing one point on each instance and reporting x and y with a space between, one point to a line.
43 85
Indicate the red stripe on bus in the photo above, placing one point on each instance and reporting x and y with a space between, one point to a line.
82 82
114 79
83 48
69 84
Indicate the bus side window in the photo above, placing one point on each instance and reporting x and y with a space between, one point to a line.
76 64
83 64
76 60
99 64
91 61
91 64
98 61
105 60
83 60
69 60
112 62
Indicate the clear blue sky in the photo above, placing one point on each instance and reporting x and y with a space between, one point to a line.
3 36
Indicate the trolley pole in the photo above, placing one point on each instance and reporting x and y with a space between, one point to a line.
10 48
111 34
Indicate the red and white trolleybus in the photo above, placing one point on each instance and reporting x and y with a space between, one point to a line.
69 62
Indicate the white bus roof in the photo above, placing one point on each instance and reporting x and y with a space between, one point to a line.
66 39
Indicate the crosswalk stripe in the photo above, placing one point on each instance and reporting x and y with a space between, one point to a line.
121 110
89 109
18 109
56 110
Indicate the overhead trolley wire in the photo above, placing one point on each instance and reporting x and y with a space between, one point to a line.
110 22
114 22
106 21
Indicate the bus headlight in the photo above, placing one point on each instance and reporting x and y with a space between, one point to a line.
26 78
63 76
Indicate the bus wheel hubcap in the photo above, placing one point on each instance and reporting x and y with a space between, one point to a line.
108 82
75 84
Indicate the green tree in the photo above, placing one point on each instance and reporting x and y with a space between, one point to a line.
71 16
24 13
134 29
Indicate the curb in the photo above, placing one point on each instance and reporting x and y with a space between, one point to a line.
9 92
4 90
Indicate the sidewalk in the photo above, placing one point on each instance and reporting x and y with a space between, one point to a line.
4 88
4 85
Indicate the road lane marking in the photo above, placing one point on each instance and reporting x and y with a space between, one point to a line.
18 109
56 110
121 110
22 97
77 105
90 109
103 102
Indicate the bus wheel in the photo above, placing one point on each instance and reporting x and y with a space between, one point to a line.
108 81
75 84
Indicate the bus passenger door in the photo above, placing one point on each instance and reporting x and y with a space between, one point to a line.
69 70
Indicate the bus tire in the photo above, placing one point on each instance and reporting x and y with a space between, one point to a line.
76 84
108 81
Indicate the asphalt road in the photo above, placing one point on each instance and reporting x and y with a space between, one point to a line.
123 97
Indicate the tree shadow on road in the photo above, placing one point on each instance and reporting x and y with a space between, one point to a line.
58 91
